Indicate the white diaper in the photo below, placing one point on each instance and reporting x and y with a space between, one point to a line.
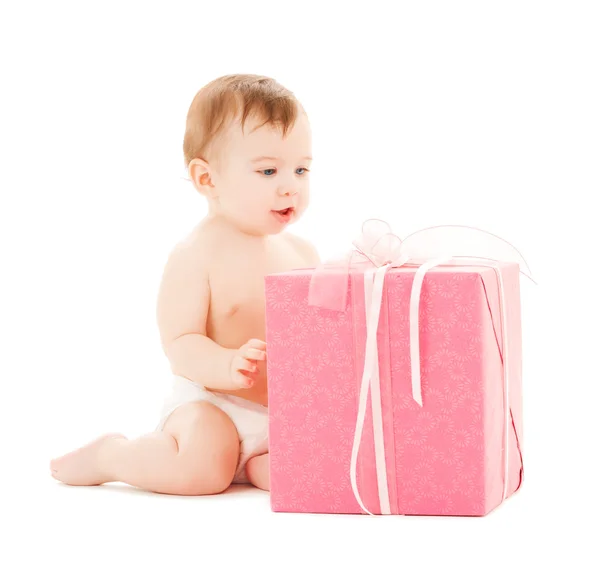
249 418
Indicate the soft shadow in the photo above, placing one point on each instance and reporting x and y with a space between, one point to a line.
244 489
116 487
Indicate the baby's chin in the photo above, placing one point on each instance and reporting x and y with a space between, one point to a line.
271 225
276 229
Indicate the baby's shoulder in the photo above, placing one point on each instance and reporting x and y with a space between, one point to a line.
304 247
194 248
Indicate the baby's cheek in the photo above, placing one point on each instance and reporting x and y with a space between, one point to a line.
249 206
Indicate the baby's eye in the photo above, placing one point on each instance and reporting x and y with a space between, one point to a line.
302 169
267 171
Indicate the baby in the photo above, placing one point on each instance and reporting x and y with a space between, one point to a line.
247 146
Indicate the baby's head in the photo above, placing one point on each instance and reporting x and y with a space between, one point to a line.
247 147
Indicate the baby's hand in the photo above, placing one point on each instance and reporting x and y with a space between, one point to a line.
245 361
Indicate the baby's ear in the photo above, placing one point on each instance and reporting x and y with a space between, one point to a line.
200 175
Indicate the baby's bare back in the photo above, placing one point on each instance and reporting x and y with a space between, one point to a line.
222 295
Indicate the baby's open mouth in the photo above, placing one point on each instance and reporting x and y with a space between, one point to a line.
285 215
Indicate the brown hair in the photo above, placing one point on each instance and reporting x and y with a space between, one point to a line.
224 98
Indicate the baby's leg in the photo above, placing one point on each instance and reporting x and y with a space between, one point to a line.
196 453
257 470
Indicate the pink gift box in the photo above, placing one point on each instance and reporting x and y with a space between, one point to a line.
444 458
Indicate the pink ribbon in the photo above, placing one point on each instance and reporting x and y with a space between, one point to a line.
378 246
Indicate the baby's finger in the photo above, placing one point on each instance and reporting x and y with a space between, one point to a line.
246 365
242 380
256 355
241 363
257 344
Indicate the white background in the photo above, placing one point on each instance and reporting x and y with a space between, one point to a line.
475 113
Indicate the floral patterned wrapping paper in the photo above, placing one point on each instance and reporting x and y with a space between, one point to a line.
445 458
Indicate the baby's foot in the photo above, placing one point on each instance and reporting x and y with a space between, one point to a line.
82 467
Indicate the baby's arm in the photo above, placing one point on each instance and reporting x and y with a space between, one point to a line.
182 310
